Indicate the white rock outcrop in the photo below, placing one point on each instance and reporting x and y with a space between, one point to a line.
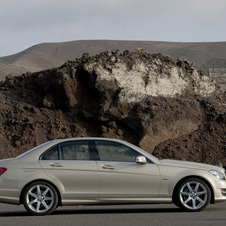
155 78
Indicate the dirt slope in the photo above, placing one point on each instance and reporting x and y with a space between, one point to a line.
165 106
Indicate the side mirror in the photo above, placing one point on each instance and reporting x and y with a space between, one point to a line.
141 160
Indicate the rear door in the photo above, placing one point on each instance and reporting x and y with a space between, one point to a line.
70 164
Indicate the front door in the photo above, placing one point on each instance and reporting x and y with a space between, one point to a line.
121 176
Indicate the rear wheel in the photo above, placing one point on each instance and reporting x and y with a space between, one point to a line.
192 195
40 198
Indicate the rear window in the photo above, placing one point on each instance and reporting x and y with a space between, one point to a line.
72 150
52 154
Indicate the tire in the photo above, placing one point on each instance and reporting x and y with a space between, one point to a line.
192 195
40 198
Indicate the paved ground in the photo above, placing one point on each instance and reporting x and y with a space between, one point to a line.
115 215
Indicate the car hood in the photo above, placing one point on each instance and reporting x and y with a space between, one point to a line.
190 165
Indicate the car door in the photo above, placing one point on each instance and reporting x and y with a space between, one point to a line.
121 176
70 164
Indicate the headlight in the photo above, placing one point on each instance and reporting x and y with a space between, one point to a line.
217 174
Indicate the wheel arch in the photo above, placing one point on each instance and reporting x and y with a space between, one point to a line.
200 178
41 180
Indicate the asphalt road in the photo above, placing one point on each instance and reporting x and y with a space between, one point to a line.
115 215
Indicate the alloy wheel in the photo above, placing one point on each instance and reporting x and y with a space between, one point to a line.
40 198
194 195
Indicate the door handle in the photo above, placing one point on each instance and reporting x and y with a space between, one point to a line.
107 167
55 164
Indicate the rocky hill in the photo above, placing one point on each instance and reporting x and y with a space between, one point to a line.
50 55
165 106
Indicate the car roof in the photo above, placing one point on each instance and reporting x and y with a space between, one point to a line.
35 152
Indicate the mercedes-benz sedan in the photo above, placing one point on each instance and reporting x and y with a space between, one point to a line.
82 171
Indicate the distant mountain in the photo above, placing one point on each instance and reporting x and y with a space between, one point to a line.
49 55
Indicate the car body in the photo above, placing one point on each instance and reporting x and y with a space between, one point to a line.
82 171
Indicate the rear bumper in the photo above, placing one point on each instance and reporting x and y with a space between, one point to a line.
8 193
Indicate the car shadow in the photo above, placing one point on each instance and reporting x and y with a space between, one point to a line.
14 214
107 210
117 211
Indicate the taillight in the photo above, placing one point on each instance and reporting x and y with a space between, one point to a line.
2 170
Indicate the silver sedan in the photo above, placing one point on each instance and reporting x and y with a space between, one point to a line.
80 171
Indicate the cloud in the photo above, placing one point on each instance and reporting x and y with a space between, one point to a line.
202 9
74 31
20 14
28 22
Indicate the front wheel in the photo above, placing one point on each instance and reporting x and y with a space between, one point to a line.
40 198
192 195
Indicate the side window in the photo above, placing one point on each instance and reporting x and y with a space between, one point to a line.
75 150
113 151
52 154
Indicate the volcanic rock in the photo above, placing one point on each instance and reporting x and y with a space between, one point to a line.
165 106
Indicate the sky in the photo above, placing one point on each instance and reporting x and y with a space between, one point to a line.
24 23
